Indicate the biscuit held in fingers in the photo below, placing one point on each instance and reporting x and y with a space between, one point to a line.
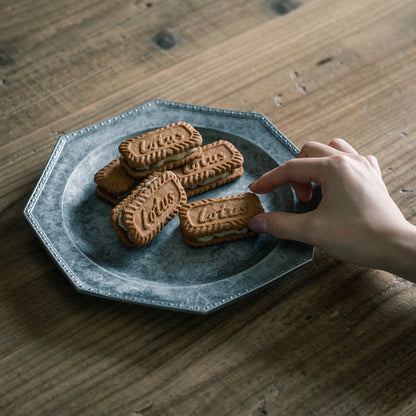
213 221
356 220
284 225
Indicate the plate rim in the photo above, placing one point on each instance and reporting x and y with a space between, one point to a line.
72 276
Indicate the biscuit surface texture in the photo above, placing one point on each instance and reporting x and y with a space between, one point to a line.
212 221
142 173
141 152
113 182
220 163
148 208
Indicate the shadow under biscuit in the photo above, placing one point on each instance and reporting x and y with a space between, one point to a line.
167 258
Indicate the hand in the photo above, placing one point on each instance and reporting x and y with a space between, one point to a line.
356 220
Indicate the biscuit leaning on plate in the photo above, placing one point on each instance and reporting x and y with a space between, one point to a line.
213 221
139 217
113 182
220 163
161 149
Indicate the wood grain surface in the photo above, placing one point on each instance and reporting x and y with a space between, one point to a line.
330 339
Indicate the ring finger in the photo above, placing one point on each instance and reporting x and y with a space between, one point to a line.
342 146
316 149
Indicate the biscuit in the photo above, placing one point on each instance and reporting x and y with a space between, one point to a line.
213 221
161 149
113 182
220 163
148 208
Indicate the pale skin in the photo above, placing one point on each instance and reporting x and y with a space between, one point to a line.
356 221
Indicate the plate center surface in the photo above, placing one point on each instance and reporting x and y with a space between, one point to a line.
167 260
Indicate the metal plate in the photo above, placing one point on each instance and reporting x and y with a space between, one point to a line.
73 223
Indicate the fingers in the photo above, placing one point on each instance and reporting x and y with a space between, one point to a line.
303 191
342 146
282 225
302 171
316 149
299 174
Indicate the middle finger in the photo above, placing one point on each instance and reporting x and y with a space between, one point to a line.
316 149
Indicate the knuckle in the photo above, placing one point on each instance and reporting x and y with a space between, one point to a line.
339 160
368 160
350 163
290 164
372 159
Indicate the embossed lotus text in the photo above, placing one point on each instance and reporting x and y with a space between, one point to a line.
161 140
224 211
205 161
159 206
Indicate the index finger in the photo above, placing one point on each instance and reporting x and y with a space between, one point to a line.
303 170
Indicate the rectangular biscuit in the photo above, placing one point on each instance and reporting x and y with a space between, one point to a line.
113 182
213 221
220 163
161 149
139 217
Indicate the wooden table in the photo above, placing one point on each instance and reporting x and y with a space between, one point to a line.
332 338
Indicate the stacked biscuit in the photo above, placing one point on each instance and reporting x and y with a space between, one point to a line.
156 172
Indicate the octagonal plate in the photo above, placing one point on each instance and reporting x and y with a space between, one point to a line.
73 222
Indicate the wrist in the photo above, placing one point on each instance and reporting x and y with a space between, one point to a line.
399 257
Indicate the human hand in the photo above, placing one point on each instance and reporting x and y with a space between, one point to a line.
356 220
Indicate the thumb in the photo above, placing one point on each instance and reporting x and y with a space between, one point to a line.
284 225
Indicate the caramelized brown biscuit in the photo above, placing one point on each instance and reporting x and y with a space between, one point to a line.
113 182
220 163
148 208
213 221
161 149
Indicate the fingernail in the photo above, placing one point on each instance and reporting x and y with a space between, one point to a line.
258 224
249 187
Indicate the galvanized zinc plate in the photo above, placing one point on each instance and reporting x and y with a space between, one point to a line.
73 222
